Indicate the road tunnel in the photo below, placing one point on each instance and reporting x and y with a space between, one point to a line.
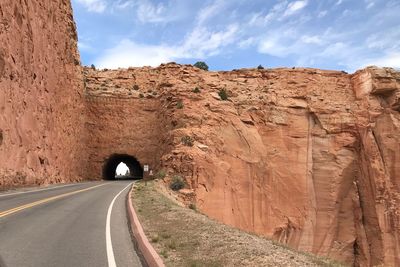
111 164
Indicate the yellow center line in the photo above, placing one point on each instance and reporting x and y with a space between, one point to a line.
30 205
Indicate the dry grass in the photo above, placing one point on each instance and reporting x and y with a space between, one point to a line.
184 237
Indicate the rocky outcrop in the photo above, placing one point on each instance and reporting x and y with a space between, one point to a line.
305 156
308 157
41 104
122 119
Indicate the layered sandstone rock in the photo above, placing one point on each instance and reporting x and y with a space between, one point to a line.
308 157
41 105
122 119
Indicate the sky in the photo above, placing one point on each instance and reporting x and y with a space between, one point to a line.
232 34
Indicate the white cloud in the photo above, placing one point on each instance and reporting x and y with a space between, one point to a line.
285 31
275 13
322 13
277 44
200 43
314 39
295 7
335 49
388 60
247 42
369 3
273 47
123 4
210 11
153 13
130 54
147 11
98 6
84 46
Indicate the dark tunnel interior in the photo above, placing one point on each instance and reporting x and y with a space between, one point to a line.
111 164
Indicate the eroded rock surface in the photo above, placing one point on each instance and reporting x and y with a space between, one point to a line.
41 90
308 157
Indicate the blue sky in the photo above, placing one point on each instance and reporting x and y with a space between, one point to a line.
231 34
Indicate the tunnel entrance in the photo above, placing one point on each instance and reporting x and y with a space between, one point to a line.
135 170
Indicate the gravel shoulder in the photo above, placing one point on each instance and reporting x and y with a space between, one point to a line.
185 237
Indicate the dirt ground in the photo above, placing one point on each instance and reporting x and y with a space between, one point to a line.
184 237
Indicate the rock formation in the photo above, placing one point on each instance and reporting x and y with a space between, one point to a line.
41 90
308 157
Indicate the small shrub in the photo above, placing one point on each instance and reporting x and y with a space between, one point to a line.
196 90
260 67
165 235
164 253
93 67
135 87
155 239
161 174
141 95
171 245
192 206
177 183
201 65
187 140
179 105
223 94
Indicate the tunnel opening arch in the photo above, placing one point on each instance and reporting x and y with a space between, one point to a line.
111 163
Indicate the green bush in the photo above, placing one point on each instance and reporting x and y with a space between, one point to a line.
161 174
196 90
223 94
93 67
135 87
201 65
260 67
171 245
177 183
179 105
187 140
141 95
192 206
155 238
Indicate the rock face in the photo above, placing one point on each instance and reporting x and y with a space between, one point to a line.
308 157
119 122
41 90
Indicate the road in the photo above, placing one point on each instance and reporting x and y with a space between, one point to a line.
70 225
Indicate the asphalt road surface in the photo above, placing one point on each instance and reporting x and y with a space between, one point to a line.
69 225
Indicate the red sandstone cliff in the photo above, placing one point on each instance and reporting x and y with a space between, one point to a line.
41 105
308 157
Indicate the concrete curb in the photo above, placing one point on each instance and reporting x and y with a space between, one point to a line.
150 255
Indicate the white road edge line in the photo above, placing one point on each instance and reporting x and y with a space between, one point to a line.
43 189
110 251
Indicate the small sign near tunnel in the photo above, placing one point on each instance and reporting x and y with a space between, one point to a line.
146 168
